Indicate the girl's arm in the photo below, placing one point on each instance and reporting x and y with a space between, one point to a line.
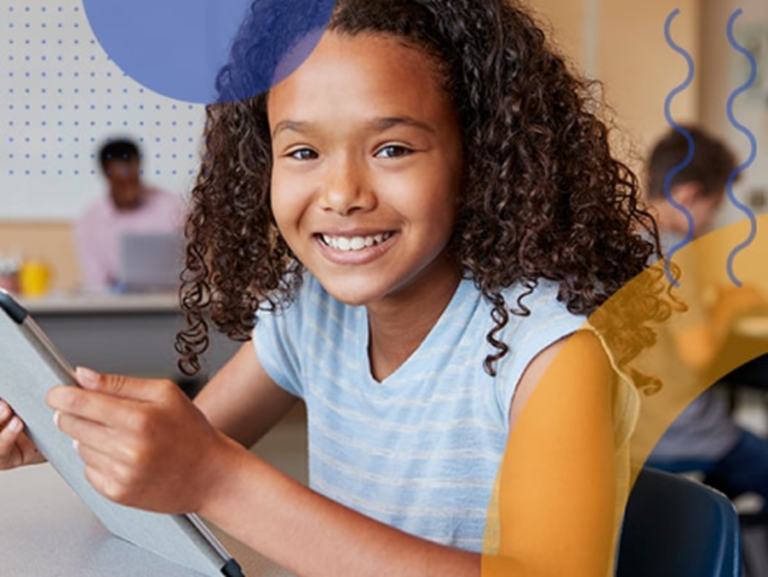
144 445
242 401
558 481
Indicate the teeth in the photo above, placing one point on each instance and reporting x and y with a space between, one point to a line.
354 243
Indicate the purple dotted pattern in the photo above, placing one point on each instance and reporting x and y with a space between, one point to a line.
60 98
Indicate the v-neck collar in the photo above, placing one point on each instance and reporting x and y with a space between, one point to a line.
458 298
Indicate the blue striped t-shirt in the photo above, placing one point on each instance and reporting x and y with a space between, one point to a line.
420 450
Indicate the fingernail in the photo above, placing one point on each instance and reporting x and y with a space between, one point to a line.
86 376
15 425
75 444
56 416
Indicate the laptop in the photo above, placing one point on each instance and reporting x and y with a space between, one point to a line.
150 261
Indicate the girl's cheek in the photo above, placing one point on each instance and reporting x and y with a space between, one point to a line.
287 208
290 193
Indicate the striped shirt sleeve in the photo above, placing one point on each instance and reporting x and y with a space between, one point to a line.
276 339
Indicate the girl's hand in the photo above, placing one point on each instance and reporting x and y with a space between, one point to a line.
16 449
143 442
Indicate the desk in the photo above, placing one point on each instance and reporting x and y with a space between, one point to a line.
748 340
124 334
46 531
749 334
752 326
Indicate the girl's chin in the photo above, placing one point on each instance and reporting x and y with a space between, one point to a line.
351 297
352 291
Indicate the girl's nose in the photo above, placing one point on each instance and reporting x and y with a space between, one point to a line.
347 189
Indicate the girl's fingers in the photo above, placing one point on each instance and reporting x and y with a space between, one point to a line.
103 484
9 435
107 475
16 448
30 455
5 413
10 430
96 436
94 406
121 385
96 460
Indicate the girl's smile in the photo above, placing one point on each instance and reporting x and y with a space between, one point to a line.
367 169
355 247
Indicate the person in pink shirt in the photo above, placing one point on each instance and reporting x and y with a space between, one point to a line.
131 206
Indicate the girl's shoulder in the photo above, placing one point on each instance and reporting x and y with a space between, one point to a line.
536 320
538 313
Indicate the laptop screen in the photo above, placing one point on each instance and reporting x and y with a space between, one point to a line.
150 261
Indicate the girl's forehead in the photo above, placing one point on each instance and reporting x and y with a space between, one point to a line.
347 72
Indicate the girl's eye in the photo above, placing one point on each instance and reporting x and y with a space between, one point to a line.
303 154
393 151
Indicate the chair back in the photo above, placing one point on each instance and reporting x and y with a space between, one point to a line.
676 527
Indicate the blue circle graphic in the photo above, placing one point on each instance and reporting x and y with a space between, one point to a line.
207 51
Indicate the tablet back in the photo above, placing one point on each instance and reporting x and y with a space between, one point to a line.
29 367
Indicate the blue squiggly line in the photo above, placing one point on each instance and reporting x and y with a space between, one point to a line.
671 174
752 144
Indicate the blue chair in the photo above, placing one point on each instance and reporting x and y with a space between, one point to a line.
675 527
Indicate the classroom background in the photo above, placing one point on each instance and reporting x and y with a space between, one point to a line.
62 96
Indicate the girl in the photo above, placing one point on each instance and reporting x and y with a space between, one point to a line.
411 226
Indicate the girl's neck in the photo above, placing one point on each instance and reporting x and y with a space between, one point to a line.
399 324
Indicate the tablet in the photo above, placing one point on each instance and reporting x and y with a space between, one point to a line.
29 366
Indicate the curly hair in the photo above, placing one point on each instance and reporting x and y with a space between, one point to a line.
543 196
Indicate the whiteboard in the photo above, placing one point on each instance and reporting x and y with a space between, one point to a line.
60 97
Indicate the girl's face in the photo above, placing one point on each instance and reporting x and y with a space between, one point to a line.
367 168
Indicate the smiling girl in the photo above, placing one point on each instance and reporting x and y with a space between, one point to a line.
411 227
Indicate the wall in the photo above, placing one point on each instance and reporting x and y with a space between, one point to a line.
62 97
563 21
724 71
640 69
630 57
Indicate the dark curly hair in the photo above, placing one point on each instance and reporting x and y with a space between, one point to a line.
543 196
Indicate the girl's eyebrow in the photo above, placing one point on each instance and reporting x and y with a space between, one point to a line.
382 124
376 125
294 125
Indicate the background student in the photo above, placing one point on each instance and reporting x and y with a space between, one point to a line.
130 206
704 437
